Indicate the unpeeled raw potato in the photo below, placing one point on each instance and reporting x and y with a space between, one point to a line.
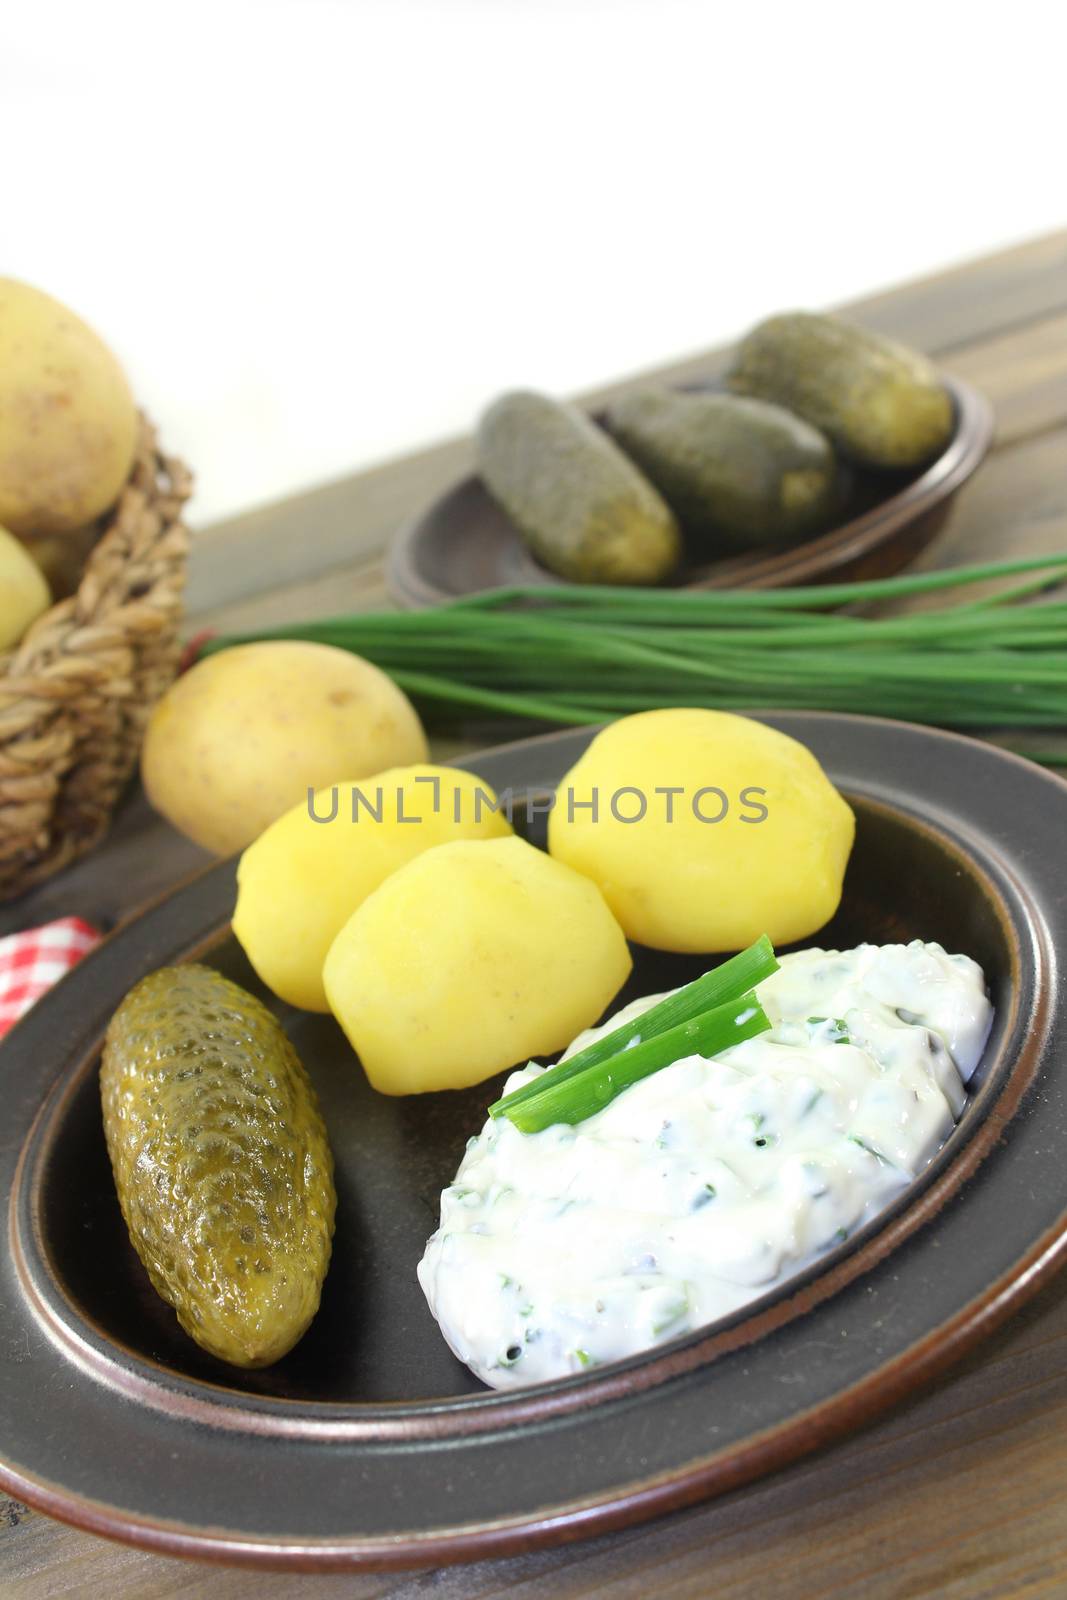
757 839
68 422
474 956
241 738
24 594
302 879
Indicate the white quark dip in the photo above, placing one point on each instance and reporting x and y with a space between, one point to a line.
706 1183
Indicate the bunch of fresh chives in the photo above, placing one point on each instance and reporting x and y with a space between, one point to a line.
575 654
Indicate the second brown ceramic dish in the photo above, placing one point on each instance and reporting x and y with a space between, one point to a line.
464 542
370 1445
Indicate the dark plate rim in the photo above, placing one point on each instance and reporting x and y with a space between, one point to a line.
813 559
714 1472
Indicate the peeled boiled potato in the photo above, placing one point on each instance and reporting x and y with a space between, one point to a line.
757 842
24 592
68 422
299 883
474 956
242 736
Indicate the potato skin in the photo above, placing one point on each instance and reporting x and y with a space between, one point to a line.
474 956
301 880
706 886
68 422
240 738
24 592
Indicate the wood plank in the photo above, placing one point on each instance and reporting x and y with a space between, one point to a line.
320 531
331 526
1015 505
1023 373
957 1494
358 587
971 301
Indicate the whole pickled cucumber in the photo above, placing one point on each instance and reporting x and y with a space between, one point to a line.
221 1163
584 510
738 471
879 402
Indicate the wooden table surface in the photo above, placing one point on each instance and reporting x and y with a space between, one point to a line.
960 1494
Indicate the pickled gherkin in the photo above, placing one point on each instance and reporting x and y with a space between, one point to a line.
880 403
580 505
736 472
221 1161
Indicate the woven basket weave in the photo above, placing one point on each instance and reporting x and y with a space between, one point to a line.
75 693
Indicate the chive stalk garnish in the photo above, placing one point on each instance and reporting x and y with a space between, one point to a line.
581 1096
726 982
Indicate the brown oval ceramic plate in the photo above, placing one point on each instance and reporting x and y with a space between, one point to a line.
465 543
370 1445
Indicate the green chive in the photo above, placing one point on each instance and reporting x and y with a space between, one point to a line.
574 654
726 982
580 1097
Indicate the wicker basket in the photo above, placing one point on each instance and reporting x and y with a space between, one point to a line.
75 693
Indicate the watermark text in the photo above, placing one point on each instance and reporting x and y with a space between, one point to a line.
629 804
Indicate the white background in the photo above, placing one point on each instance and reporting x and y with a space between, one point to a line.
321 232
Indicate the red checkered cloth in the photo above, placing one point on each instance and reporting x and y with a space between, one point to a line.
32 961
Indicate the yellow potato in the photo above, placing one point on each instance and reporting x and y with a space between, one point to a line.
68 422
299 883
473 957
757 839
24 591
244 735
